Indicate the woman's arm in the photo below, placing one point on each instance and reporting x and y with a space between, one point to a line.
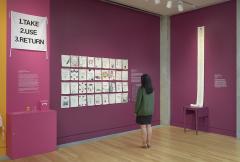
139 100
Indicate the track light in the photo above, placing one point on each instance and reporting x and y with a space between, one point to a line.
157 1
180 6
169 4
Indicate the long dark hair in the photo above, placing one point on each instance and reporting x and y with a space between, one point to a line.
147 83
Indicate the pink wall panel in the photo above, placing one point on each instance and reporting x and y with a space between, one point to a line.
220 58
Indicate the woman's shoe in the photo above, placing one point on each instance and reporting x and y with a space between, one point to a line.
145 146
148 145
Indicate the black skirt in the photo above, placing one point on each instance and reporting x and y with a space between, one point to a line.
142 120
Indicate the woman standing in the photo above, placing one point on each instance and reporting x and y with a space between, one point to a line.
144 109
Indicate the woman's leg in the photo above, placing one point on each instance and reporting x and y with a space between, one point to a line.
149 134
144 134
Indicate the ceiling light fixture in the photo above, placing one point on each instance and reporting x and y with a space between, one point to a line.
157 1
169 4
180 6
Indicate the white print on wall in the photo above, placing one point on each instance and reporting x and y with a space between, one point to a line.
65 60
65 88
90 62
74 101
82 74
98 99
90 81
65 102
82 87
98 62
74 61
90 100
28 32
83 61
82 100
65 74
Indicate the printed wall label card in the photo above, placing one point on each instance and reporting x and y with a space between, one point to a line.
119 86
105 99
65 74
105 63
82 74
98 75
124 75
98 87
65 60
90 87
91 62
118 64
74 74
82 87
65 103
112 98
74 87
118 75
83 61
82 100
119 98
65 88
112 64
124 97
105 74
112 87
125 64
125 86
74 61
98 99
90 100
105 86
112 74
90 74
74 101
98 62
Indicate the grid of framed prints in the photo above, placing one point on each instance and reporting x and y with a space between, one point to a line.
89 81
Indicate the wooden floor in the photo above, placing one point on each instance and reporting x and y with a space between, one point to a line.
169 144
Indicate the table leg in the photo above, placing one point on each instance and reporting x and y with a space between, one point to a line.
196 121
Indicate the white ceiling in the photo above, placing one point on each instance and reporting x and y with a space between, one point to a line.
161 9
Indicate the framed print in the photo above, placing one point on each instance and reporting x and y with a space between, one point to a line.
90 100
112 64
82 61
118 97
74 74
65 60
124 75
112 98
65 103
112 87
65 88
112 74
118 86
98 74
82 74
105 63
125 86
74 61
105 74
98 87
98 62
82 87
65 74
98 99
105 100
105 86
74 101
118 64
125 64
124 97
82 100
118 75
74 87
91 62
90 87
90 74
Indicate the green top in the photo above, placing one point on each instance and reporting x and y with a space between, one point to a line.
145 103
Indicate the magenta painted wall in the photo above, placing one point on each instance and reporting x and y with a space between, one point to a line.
220 58
33 61
94 28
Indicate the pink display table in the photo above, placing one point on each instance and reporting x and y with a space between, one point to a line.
30 133
199 112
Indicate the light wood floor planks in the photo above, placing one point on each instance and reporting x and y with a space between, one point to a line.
169 144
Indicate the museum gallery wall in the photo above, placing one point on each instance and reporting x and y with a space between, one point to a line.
98 53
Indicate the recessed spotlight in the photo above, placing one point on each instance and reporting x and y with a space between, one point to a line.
169 4
157 1
180 6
